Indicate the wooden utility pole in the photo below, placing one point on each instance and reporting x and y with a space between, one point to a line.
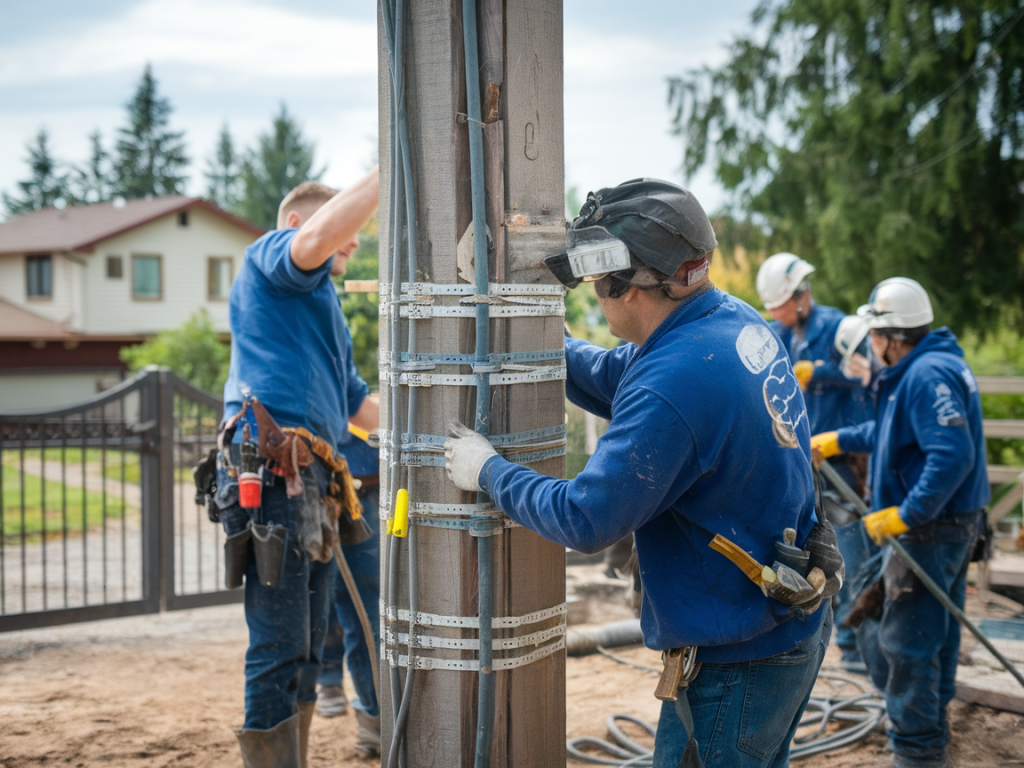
520 51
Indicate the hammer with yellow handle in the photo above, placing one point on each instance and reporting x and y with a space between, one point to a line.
784 584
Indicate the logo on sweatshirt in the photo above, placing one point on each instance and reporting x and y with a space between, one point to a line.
757 347
946 411
785 406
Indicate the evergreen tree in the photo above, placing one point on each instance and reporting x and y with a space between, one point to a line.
222 172
282 160
875 139
149 159
93 182
48 183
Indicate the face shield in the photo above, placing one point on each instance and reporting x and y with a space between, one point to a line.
591 253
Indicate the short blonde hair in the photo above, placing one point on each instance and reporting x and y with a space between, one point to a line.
304 199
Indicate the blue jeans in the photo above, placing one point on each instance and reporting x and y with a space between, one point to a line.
345 641
287 624
745 714
856 548
911 652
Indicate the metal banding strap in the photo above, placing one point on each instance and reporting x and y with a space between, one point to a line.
423 619
471 665
418 442
468 289
424 459
427 311
532 376
470 359
471 644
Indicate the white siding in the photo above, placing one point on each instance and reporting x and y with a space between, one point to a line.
48 391
13 287
108 305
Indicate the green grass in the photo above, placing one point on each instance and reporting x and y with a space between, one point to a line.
34 490
93 461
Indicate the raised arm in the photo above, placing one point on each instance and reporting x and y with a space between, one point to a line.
336 222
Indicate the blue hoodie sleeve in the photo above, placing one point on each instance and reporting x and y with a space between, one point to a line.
858 439
647 456
271 255
830 372
937 414
593 374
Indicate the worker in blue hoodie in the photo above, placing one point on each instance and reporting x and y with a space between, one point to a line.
708 435
929 487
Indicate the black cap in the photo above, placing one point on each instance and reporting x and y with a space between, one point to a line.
661 223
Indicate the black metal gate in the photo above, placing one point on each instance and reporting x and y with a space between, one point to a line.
98 515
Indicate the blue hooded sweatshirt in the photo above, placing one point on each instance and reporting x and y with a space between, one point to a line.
927 444
833 401
708 434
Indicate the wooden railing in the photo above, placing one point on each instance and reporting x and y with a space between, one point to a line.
1004 428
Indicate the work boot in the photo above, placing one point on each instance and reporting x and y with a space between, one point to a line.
902 761
305 721
331 701
277 747
368 738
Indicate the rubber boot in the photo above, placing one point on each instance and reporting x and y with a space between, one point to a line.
368 737
277 747
306 709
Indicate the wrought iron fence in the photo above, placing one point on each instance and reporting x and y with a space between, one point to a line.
97 510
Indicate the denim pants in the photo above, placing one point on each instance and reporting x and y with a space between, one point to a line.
911 651
287 624
745 714
345 642
856 548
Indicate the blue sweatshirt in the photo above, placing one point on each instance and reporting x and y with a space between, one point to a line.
833 401
290 344
708 434
927 444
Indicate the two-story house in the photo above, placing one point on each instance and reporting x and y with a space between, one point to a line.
77 284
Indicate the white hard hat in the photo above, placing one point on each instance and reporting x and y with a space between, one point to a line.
779 277
898 302
851 332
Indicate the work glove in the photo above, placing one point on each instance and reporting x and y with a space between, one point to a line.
884 523
824 445
804 371
465 453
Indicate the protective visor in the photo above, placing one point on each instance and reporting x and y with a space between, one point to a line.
591 253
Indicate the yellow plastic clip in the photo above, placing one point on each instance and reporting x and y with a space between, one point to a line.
391 525
401 520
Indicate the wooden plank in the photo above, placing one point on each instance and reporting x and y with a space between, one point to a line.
1001 385
362 286
985 681
998 473
1005 428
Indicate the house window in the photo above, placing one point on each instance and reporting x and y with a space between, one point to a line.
183 219
38 277
146 278
219 272
115 267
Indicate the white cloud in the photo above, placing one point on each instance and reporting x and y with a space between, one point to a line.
224 37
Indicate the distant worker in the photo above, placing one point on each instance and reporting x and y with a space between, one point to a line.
808 331
293 388
929 485
345 643
708 434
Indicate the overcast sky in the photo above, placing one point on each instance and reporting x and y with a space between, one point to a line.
70 66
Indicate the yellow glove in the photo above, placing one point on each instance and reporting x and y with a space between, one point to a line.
884 523
803 370
824 445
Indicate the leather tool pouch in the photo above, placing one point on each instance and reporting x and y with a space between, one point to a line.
268 544
236 558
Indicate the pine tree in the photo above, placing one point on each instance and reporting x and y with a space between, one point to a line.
48 184
222 172
282 160
149 159
93 182
875 139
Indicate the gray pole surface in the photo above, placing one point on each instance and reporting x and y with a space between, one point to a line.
520 51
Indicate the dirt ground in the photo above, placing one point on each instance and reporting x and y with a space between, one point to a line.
166 690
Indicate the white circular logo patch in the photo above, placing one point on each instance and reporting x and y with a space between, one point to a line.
756 347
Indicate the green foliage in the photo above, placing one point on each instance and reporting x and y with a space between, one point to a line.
150 160
47 184
281 161
1000 353
875 139
94 182
192 351
222 173
360 309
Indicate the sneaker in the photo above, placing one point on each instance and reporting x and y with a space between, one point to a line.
331 701
368 737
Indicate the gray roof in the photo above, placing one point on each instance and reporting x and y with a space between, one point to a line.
81 227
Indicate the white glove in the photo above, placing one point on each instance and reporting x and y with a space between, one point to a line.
465 453
858 367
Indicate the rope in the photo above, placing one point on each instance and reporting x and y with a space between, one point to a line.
364 620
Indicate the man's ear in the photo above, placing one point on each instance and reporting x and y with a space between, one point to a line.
293 221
